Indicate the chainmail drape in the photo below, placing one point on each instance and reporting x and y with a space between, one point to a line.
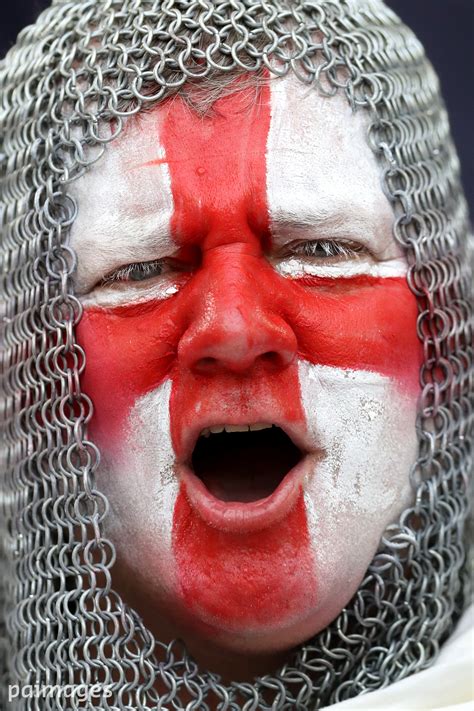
88 63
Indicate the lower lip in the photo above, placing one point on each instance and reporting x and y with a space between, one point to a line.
236 517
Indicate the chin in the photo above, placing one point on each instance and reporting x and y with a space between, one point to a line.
281 637
263 630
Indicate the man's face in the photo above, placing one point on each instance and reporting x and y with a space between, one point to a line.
238 273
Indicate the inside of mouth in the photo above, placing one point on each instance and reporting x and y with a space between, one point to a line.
244 466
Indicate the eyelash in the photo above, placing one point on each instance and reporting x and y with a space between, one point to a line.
144 269
327 249
315 248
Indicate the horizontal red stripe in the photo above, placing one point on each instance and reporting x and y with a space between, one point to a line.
131 350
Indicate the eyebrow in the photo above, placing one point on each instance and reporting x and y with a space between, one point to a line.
346 220
290 220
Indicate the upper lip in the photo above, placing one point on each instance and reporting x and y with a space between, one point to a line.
191 434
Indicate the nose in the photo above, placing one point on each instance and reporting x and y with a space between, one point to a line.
235 329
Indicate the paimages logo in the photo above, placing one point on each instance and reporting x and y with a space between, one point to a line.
80 692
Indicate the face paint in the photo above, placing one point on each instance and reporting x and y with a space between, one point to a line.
249 330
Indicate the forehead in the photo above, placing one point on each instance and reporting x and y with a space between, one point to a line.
309 151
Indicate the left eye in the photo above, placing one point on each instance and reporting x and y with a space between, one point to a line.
325 249
139 271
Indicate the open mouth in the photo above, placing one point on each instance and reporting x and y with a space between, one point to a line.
243 478
244 463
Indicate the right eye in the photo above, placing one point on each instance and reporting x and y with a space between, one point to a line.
138 271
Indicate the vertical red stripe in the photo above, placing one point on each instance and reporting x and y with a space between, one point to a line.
218 177
218 169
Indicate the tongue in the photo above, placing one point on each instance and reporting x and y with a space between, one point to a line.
244 466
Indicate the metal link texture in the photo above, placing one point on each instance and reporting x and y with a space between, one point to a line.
67 88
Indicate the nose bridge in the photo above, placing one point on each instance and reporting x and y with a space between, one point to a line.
234 324
232 274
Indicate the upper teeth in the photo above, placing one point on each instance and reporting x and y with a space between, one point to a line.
235 428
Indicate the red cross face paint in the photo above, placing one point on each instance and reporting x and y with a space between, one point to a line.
253 361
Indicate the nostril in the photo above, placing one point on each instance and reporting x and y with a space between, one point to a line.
206 364
270 358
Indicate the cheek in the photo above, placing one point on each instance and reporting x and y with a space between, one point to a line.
365 423
361 324
126 357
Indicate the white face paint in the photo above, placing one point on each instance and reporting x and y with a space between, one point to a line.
141 485
124 216
322 182
361 482
347 398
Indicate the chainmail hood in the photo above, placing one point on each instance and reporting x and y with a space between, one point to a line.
89 64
